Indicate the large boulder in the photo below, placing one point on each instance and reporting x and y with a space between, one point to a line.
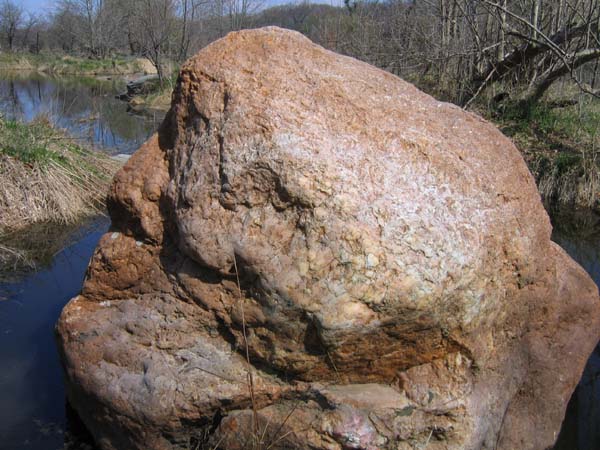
311 253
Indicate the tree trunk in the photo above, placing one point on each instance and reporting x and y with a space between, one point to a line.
542 86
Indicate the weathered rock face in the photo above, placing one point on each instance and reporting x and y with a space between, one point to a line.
398 285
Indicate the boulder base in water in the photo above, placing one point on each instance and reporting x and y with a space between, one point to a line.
397 283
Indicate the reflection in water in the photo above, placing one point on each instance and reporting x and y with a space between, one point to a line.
32 410
581 428
86 107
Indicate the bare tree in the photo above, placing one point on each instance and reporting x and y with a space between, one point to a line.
62 28
190 13
88 30
552 44
11 19
155 25
99 24
28 24
460 49
238 12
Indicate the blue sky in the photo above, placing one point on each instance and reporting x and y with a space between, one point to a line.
40 6
36 6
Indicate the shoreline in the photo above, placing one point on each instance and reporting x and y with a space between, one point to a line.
71 65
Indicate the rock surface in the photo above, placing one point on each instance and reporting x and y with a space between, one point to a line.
398 285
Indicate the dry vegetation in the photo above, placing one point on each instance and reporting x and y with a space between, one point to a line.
70 65
47 184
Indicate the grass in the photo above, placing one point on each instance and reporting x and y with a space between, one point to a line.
47 183
560 146
160 100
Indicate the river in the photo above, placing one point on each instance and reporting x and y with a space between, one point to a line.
33 411
85 107
581 427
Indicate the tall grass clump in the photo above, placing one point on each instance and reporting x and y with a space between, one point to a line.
47 184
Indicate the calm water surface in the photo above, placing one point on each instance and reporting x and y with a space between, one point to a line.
33 413
581 428
86 107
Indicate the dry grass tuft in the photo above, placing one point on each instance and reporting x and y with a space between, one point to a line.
568 180
45 179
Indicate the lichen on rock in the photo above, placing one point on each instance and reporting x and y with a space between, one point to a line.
397 282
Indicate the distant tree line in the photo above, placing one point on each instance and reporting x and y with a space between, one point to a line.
460 50
161 30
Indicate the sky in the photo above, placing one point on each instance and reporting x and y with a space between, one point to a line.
36 6
41 6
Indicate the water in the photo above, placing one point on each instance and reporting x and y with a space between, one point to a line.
33 413
581 427
85 107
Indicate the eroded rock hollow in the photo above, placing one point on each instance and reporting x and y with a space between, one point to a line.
398 288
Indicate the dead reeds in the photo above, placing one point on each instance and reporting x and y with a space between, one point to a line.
45 179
